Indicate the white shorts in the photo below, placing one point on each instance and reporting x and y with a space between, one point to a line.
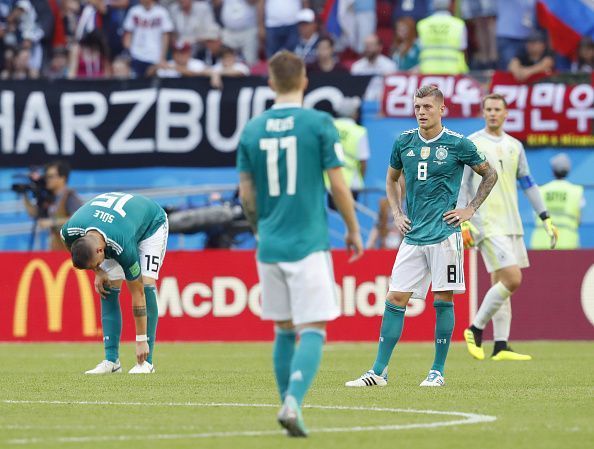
500 251
151 253
302 291
440 264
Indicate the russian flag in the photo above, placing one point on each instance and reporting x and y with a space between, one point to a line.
339 18
567 21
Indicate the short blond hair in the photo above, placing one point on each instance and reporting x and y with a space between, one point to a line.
430 90
494 96
287 70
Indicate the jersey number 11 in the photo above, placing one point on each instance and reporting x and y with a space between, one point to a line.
272 146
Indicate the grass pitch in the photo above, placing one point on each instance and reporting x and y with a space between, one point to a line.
46 401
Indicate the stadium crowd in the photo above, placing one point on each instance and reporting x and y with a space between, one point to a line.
171 38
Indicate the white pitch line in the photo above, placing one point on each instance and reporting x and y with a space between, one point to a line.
469 418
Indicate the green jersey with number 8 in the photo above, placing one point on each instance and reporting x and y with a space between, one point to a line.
433 173
123 219
286 151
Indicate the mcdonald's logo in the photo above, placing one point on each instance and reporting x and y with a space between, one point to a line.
54 288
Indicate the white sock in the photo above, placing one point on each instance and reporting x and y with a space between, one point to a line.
494 299
502 321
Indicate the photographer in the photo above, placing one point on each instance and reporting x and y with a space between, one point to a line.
54 209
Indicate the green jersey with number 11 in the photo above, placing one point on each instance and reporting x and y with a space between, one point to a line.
123 219
286 151
433 173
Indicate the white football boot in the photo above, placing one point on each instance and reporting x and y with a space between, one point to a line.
368 379
145 368
434 379
106 367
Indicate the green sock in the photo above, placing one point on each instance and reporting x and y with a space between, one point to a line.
282 354
306 362
152 316
111 321
392 324
444 327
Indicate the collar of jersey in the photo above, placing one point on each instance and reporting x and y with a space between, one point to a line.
286 105
431 140
492 138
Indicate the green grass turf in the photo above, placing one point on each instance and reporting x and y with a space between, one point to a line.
546 403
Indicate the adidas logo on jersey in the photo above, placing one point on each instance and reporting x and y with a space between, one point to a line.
410 153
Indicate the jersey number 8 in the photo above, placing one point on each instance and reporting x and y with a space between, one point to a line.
271 146
422 171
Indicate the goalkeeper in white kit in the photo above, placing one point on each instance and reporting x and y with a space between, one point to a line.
497 228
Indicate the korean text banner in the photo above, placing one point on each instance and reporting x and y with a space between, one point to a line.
161 122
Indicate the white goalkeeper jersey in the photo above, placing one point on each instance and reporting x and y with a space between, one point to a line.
498 215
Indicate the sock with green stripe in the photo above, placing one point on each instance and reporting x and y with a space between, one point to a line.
392 324
306 362
111 322
444 327
152 317
282 355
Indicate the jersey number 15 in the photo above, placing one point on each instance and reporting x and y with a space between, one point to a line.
272 146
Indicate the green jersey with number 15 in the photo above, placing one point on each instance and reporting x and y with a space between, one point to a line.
286 151
433 173
123 219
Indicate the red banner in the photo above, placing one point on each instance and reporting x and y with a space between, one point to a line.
462 94
203 296
551 112
556 298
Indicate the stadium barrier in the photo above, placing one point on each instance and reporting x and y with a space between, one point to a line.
215 296
203 296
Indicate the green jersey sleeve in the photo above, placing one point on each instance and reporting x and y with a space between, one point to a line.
395 159
243 161
469 154
128 259
332 152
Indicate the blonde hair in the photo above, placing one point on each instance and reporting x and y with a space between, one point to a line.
287 70
429 90
494 96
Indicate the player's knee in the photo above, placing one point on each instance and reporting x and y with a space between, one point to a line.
398 298
512 281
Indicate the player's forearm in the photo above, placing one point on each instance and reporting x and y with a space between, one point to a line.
489 176
138 306
394 194
535 198
343 199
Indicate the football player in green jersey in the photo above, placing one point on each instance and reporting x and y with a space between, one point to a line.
432 159
121 236
282 157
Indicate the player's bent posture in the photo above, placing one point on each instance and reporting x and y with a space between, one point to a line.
497 228
433 159
121 236
282 157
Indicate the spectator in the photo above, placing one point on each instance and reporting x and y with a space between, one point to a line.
89 58
213 44
308 36
20 68
535 58
443 40
405 48
5 10
564 201
228 65
280 20
585 57
90 18
113 26
384 235
181 65
326 61
58 66
190 19
481 18
515 22
120 68
57 211
70 14
30 35
373 62
240 27
146 37
417 9
365 22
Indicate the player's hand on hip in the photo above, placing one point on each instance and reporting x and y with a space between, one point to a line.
101 283
402 223
551 231
142 351
354 245
458 216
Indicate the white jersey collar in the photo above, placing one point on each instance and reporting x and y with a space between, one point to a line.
286 105
430 140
